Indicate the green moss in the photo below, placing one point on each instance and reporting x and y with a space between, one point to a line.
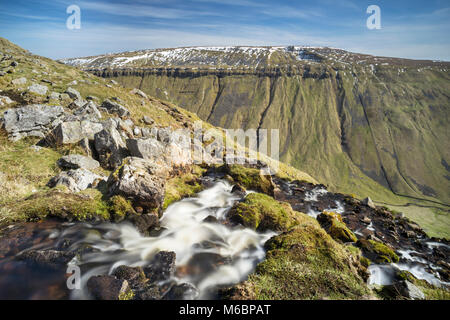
59 202
261 212
377 251
250 178
185 185
304 263
120 208
127 295
333 224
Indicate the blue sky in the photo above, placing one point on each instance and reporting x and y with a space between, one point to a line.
410 29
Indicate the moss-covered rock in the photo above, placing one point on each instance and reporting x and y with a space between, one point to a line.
59 202
304 263
377 251
261 212
250 178
120 208
182 186
333 224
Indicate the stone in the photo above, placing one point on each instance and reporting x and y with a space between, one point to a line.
106 287
78 161
110 147
162 266
139 93
38 89
14 64
76 104
47 258
145 222
147 120
150 149
75 180
115 108
140 181
368 202
134 275
74 131
31 120
88 111
73 94
19 81
183 291
408 290
5 100
54 96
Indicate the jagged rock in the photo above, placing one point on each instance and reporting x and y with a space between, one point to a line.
78 161
141 181
333 224
75 180
239 190
19 81
73 94
408 290
147 120
145 222
134 275
183 291
139 93
108 288
76 104
114 107
54 96
368 202
32 120
46 258
5 100
162 266
110 147
38 89
88 111
150 149
74 131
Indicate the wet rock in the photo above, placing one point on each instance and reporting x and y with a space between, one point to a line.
108 288
239 190
31 120
145 222
162 266
77 161
149 292
47 258
210 219
134 275
38 89
140 181
74 131
115 108
110 147
75 180
183 291
368 202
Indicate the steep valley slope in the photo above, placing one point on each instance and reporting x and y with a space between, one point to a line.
357 123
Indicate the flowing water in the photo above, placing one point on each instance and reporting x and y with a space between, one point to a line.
208 253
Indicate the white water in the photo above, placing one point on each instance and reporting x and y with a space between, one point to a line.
187 235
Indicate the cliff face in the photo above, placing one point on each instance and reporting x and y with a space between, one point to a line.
357 123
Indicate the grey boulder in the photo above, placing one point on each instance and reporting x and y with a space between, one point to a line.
78 161
115 108
31 120
74 131
75 180
38 89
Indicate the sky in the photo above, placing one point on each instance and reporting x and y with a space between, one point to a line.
409 28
